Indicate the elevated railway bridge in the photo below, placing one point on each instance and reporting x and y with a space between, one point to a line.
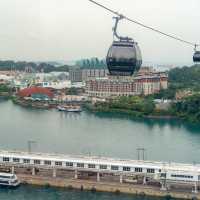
100 169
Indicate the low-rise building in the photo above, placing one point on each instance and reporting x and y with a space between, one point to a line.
36 93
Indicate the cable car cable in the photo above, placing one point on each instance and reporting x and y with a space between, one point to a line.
145 26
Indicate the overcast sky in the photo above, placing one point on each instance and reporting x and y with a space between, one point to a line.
68 30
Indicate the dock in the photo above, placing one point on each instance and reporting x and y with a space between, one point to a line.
92 173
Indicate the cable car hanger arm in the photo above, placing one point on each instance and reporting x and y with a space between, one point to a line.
145 26
117 19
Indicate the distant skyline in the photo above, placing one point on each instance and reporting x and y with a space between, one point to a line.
48 30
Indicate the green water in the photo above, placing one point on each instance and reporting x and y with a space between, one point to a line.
40 193
105 135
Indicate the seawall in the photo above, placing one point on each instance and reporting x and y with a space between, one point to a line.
105 187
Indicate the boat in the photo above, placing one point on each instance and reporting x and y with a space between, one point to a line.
61 108
9 180
69 108
78 109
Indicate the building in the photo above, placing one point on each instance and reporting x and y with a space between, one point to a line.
75 75
36 93
92 74
146 71
79 75
127 86
151 84
105 88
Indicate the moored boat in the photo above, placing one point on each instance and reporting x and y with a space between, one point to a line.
61 108
69 108
9 180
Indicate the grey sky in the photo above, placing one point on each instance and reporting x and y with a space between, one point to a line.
69 30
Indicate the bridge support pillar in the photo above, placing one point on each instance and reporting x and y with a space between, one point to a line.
76 174
163 185
12 169
144 180
54 173
121 178
98 177
195 188
33 171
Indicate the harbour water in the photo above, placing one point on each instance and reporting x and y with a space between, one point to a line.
102 134
41 193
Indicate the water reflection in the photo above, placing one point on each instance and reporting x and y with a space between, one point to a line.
98 134
152 122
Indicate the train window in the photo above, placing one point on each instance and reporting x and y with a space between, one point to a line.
58 163
181 176
6 159
163 175
151 171
80 165
127 169
37 162
47 162
91 166
26 161
69 164
114 167
103 167
16 160
138 169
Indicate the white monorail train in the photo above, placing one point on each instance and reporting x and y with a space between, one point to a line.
175 172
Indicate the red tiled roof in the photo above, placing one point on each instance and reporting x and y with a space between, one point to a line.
27 92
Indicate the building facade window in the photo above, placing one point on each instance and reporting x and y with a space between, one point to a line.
91 166
37 162
103 167
126 169
151 171
114 167
80 165
47 162
58 163
16 160
6 159
138 169
27 161
69 164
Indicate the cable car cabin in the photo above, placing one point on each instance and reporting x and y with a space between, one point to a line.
196 57
124 58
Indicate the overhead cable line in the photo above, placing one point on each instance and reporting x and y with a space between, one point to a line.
145 26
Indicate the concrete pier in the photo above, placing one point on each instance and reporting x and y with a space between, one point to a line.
107 187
